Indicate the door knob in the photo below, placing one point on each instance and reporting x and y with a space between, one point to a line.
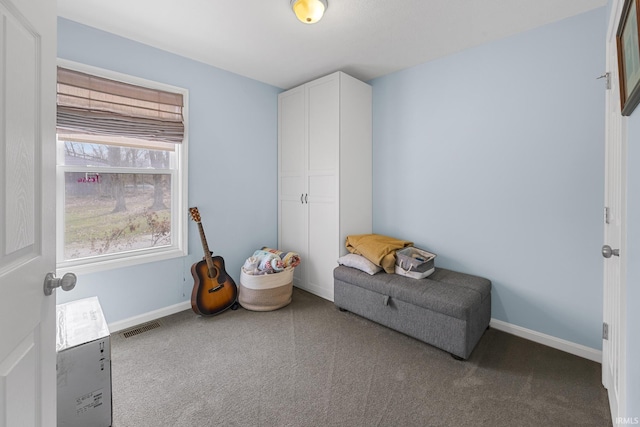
607 251
66 282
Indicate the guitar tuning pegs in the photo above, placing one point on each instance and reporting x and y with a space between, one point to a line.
195 215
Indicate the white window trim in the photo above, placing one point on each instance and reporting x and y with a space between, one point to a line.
179 228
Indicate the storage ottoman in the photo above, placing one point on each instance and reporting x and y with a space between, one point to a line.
448 310
265 292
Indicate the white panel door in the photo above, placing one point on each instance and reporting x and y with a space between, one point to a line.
27 212
614 294
292 209
323 98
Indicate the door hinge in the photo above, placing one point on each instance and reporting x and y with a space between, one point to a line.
606 76
606 215
605 331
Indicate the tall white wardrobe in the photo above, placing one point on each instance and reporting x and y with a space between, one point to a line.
324 174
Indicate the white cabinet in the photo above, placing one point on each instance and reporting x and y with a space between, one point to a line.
324 174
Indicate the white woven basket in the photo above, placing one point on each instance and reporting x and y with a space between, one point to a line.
265 292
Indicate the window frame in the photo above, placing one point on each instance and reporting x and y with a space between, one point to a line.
179 190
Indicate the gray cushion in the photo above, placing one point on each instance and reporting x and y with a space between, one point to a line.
448 292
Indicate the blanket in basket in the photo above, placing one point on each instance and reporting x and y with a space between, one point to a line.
269 261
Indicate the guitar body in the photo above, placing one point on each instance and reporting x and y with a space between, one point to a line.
214 290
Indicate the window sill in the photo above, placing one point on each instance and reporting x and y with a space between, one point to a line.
95 265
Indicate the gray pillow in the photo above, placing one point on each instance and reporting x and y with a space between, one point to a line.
359 262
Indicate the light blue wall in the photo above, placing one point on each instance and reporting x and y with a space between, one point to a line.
232 168
493 159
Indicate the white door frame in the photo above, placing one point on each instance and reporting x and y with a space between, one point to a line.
614 281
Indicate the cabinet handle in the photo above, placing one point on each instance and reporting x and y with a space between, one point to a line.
306 198
301 195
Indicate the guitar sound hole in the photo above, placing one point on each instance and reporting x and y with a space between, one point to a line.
213 273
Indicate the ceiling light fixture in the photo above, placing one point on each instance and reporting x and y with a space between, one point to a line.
309 11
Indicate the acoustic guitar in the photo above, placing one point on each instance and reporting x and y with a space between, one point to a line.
214 290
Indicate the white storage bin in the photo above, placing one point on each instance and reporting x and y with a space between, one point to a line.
414 262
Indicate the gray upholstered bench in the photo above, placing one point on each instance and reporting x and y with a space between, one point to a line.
448 310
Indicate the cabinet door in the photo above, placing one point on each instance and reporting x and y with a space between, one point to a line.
322 175
292 217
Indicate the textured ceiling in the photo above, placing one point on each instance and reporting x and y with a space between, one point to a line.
263 40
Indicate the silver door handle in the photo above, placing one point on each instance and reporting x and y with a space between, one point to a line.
607 251
66 282
306 198
301 196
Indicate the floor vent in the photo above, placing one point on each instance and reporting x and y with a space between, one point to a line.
140 329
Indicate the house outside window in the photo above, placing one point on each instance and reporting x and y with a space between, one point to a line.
122 170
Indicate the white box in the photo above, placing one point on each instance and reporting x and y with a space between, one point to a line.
83 365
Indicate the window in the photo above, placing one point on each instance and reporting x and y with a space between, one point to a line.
122 152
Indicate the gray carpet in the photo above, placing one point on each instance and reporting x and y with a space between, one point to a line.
309 364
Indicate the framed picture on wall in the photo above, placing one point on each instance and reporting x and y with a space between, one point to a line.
629 56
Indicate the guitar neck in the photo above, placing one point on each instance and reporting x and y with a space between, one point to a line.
205 248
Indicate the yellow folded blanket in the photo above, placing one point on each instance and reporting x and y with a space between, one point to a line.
379 249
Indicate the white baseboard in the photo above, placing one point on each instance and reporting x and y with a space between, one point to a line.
548 340
149 316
